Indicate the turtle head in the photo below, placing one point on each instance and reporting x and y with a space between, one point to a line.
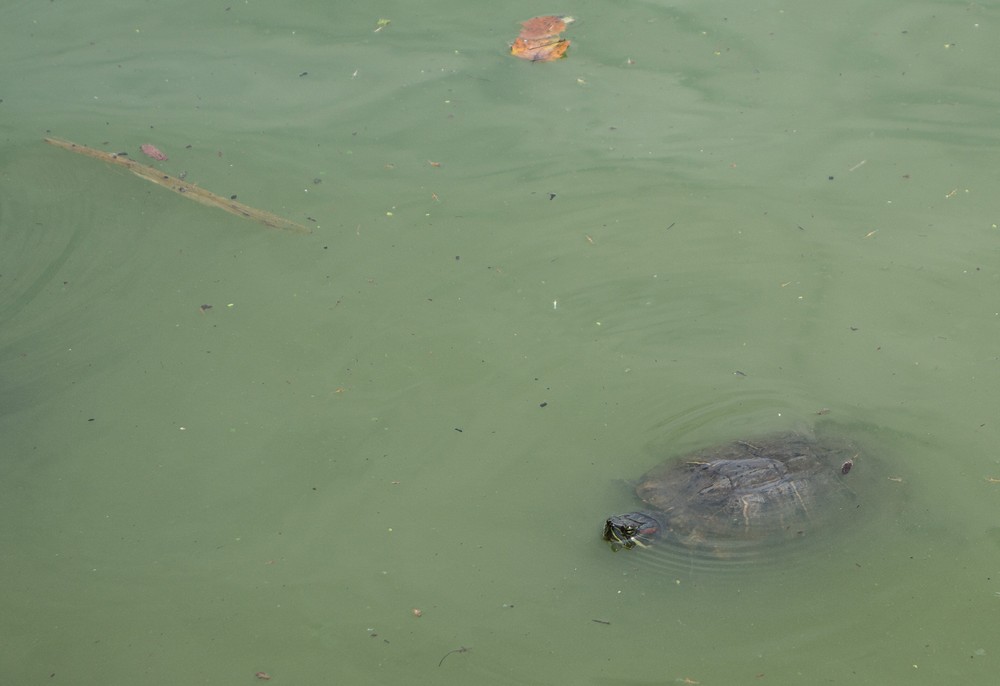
630 530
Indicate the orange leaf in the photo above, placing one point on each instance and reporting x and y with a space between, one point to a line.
543 27
539 49
539 40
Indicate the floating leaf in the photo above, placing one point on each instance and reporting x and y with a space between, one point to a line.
539 40
544 27
539 50
152 151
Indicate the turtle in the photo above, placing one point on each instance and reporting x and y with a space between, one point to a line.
770 488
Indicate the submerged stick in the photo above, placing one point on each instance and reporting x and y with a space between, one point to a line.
188 190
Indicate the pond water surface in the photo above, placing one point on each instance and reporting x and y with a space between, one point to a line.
229 450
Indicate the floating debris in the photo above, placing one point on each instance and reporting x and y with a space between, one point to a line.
539 39
463 649
150 150
182 187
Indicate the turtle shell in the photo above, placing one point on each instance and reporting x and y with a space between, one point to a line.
774 487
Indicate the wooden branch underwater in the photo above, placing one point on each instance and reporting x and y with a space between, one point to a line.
188 190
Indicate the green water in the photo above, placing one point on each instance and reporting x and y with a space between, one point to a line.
709 221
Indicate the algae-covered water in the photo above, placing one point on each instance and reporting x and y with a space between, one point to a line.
229 450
